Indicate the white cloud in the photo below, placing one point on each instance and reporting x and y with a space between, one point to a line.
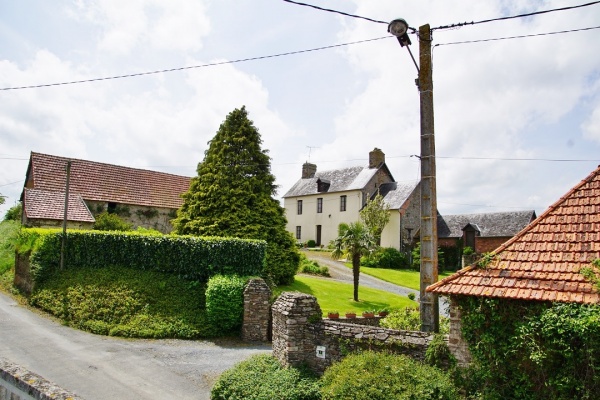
178 25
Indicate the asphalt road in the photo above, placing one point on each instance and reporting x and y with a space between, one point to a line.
100 367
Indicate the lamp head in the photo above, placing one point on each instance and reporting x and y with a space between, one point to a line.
399 28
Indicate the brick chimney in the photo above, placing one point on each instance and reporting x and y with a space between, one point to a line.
308 170
376 158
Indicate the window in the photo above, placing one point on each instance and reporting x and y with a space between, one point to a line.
111 207
299 207
320 205
298 232
342 203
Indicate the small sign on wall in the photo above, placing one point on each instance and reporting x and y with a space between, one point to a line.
320 351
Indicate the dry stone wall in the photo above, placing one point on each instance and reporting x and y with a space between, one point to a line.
257 311
302 337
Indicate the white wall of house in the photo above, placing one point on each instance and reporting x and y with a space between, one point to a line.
329 219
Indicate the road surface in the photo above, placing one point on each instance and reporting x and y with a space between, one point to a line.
99 367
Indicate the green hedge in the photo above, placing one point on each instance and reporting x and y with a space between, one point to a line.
261 377
225 302
374 376
187 257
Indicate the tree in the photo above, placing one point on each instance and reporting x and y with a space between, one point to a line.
354 240
233 196
375 215
14 213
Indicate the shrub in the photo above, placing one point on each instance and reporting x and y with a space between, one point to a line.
261 377
14 213
374 376
409 319
312 267
311 243
125 302
385 257
8 235
111 222
225 302
438 353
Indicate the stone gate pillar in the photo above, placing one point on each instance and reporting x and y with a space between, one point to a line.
257 313
293 341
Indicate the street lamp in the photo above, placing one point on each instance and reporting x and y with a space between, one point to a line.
429 305
399 28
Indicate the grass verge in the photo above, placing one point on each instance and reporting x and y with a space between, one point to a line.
338 296
400 277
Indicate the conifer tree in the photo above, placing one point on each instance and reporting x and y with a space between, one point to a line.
232 196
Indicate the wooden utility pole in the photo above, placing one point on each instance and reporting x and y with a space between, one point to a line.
65 215
429 305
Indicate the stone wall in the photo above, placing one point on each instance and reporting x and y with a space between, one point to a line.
457 344
257 311
17 383
302 337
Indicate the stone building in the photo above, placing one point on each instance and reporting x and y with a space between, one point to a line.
141 197
320 200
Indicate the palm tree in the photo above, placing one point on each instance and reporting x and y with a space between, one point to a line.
355 240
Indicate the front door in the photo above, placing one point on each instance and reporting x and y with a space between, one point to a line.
318 235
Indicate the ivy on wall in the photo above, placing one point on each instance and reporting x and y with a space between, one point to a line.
533 350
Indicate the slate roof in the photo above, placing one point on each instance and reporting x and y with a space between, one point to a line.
107 182
395 194
498 224
543 261
40 204
343 179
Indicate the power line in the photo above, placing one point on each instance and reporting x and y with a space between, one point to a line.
289 53
518 37
336 12
514 16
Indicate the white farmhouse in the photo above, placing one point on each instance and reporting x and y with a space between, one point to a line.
320 200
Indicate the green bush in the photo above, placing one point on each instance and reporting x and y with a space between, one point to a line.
8 235
14 213
261 377
187 257
438 353
311 243
385 257
374 376
124 302
111 222
409 319
225 302
312 267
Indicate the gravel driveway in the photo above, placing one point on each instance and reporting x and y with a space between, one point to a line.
100 367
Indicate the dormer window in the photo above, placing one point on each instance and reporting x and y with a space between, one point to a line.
323 185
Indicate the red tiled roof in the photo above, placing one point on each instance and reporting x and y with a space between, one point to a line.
543 261
107 182
40 204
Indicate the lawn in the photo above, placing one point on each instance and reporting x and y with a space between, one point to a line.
400 277
338 296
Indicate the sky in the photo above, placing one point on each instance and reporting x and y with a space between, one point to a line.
517 121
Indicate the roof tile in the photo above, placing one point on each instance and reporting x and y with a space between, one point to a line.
542 262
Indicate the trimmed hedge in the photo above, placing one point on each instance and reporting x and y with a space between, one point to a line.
187 257
225 302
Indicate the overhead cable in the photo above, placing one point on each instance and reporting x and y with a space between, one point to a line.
191 67
451 26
